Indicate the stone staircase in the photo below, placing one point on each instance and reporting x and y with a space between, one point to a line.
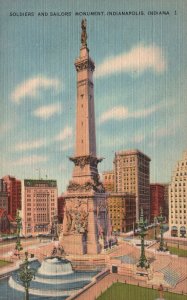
170 276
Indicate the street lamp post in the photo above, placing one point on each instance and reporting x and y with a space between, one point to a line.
155 224
26 275
143 262
161 219
54 226
18 246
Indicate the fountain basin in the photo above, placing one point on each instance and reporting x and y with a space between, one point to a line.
54 278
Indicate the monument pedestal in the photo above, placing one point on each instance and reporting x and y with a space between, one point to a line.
93 247
75 244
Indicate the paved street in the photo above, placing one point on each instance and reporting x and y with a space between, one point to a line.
8 246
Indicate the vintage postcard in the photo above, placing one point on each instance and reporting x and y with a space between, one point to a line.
93 167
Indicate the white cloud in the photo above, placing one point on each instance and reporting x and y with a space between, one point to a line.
137 138
141 113
115 113
67 146
31 87
122 112
66 133
138 59
29 160
29 145
47 111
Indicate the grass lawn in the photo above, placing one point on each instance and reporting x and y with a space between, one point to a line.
122 291
4 263
179 252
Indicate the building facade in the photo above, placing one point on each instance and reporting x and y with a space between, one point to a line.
39 206
3 195
157 200
122 212
108 181
132 175
4 221
14 194
166 201
178 199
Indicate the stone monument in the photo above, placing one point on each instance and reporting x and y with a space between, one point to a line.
85 218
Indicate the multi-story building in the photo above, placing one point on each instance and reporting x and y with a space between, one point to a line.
132 175
108 180
39 206
3 195
4 221
122 211
166 201
157 199
14 194
61 207
178 199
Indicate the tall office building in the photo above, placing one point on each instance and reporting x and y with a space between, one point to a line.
178 198
14 194
132 175
39 206
157 199
108 180
3 195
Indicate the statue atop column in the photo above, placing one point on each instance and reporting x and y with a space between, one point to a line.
84 33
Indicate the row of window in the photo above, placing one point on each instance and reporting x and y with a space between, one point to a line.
177 217
176 206
178 195
176 222
180 184
181 173
177 179
39 192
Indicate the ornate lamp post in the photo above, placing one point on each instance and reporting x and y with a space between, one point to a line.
161 219
143 262
155 224
26 275
54 226
18 246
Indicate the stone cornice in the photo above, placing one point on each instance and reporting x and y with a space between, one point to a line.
86 187
85 160
81 65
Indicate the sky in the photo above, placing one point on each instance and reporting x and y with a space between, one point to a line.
139 83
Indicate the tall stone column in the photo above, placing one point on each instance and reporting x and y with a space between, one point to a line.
85 212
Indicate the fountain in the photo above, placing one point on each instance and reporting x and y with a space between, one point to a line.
54 278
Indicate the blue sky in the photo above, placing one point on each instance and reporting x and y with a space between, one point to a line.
140 84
